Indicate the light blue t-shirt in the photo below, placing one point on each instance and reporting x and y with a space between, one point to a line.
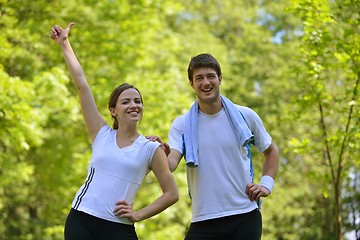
218 185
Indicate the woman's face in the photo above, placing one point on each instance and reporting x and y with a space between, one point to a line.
128 107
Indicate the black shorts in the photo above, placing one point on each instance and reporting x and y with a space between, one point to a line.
246 226
82 226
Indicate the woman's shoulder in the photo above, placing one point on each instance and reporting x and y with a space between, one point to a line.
144 141
104 132
106 129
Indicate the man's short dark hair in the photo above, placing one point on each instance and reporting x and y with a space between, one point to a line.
203 60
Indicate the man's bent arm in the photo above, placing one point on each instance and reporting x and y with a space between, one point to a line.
174 158
271 161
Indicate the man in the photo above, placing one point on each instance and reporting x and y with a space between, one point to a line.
214 138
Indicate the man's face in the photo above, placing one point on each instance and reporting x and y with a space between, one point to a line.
206 84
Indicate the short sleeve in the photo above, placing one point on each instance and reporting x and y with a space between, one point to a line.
176 134
261 136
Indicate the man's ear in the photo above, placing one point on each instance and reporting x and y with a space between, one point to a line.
191 83
220 79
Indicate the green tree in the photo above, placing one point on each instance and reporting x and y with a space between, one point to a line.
330 54
294 62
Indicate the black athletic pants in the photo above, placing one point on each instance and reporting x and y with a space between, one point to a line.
246 226
82 226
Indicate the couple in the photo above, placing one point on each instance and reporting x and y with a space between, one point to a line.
213 137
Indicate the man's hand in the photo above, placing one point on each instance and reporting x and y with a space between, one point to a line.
255 191
164 145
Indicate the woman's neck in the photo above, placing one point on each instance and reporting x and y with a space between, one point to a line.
125 136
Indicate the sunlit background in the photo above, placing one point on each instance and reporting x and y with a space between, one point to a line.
296 63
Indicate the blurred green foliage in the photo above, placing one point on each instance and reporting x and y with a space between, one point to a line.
295 62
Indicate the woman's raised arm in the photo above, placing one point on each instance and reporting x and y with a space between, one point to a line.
94 121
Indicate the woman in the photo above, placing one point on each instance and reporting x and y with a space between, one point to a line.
121 158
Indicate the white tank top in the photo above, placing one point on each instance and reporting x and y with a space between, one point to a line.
114 174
